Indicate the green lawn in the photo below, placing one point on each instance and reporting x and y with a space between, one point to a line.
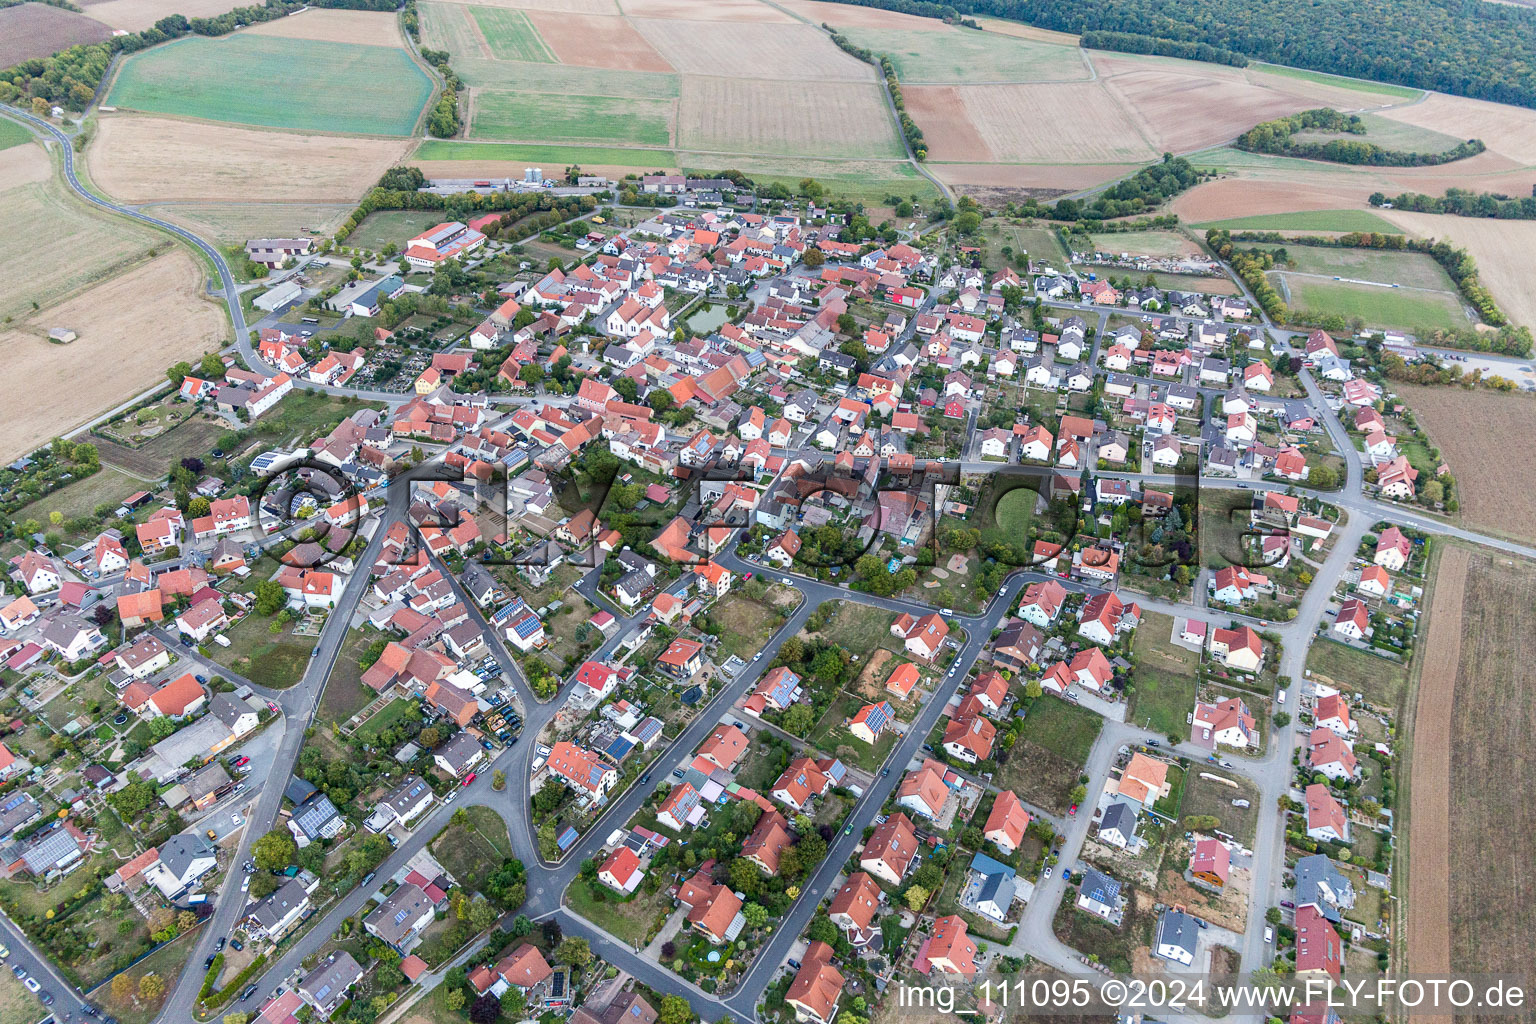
831 737
1407 269
267 659
1204 796
1063 728
634 919
1340 82
385 718
1156 243
517 153
948 55
274 82
1381 680
747 624
1378 307
471 852
1164 678
1308 220
600 119
80 497
379 229
511 35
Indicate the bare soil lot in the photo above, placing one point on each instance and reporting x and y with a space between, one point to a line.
166 292
752 50
1470 428
570 6
138 158
596 41
370 28
28 31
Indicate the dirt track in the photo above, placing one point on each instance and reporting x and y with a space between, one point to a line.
1429 868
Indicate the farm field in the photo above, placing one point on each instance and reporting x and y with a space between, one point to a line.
248 79
1500 247
135 15
1509 131
1408 269
740 49
1393 134
1495 491
30 31
733 115
937 54
1030 124
165 291
139 159
368 28
716 10
1377 307
12 134
597 41
1340 82
232 224
868 181
601 119
1310 220
561 79
510 35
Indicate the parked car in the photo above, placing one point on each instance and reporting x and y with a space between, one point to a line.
469 778
217 946
236 945
250 990
32 985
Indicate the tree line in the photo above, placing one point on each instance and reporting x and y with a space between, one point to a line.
1132 42
1278 137
1462 203
1483 50
70 77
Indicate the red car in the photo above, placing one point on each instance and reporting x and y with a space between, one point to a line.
1073 811
469 778
747 577
242 761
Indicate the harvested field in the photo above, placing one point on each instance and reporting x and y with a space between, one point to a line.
1501 248
537 117
1471 429
594 41
1183 111
86 246
23 165
850 16
138 159
1510 131
733 115
28 31
561 79
1023 31
510 35
937 54
165 292
1429 865
1229 198
134 15
231 224
248 79
715 10
1043 178
947 128
753 50
1043 123
366 28
564 6
1490 730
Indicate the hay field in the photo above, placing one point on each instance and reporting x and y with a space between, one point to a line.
595 41
250 79
453 27
84 246
365 28
1492 912
1509 131
28 31
1047 123
1502 249
140 159
510 35
165 292
938 54
733 115
1473 430
134 15
537 117
233 223
714 10
752 50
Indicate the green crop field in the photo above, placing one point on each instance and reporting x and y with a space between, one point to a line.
511 35
12 134
1309 220
956 56
1339 82
298 84
1384 131
447 149
1378 307
600 119
563 79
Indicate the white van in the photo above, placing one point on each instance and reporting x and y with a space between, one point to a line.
1279 696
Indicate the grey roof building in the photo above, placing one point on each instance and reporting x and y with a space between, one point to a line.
1177 934
276 915
1320 884
326 987
315 818
18 810
401 916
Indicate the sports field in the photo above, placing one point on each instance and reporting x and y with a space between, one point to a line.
1406 269
300 84
602 119
511 36
1377 306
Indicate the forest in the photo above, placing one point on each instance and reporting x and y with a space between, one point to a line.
1483 50
1278 137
